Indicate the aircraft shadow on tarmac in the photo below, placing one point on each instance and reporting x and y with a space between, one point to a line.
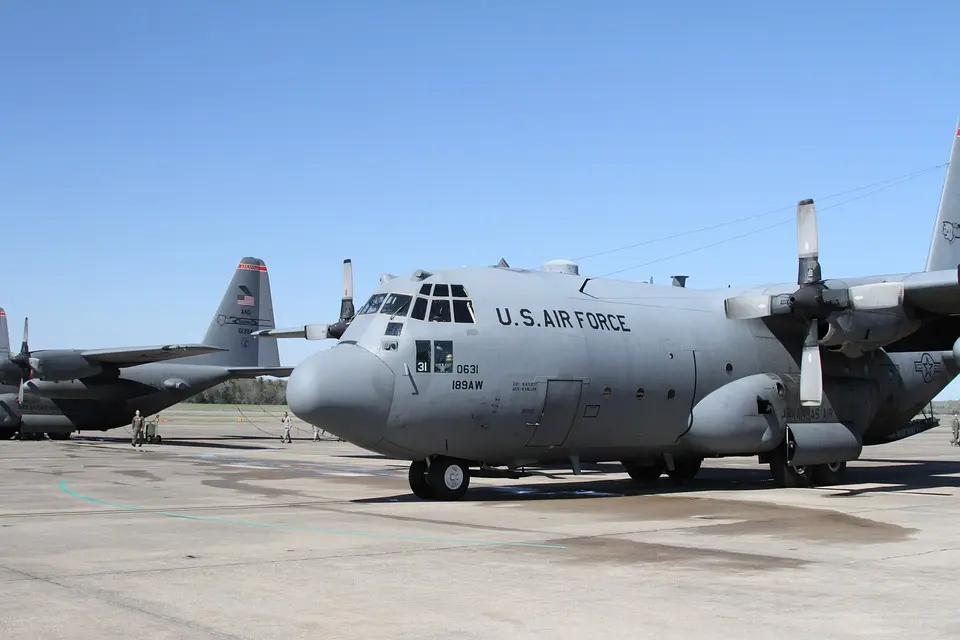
205 443
897 474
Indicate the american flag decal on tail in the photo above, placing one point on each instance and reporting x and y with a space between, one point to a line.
245 299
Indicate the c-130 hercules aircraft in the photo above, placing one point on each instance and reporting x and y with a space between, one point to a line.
464 370
58 391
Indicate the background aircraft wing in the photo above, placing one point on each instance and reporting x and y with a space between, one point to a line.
132 356
253 372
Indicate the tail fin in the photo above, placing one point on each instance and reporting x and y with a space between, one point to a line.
246 307
4 334
945 247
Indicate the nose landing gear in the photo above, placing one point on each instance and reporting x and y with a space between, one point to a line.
440 479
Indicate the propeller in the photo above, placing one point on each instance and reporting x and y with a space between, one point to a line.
22 359
812 301
323 331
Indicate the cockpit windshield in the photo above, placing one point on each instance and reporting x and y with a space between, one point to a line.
397 304
446 303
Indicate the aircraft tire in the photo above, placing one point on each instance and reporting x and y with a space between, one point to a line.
418 480
645 474
685 469
824 475
448 479
787 476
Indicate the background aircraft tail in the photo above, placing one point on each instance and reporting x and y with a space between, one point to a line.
945 247
246 307
4 334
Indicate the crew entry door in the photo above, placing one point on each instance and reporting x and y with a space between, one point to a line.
559 411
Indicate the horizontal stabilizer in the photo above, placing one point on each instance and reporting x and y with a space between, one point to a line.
254 372
132 356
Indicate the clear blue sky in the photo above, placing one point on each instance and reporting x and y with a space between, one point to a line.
146 146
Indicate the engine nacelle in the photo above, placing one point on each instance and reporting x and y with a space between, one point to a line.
854 333
62 365
9 411
821 443
741 417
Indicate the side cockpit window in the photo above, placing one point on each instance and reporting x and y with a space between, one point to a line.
373 304
447 303
396 304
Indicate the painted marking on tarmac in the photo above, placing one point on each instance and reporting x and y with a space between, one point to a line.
290 527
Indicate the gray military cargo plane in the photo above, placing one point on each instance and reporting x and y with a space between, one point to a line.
465 370
58 391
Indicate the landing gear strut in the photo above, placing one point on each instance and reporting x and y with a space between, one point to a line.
441 479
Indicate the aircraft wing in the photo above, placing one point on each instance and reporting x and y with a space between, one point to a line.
253 372
132 356
936 292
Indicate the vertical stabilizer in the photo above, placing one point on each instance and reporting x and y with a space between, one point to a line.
4 334
247 306
945 247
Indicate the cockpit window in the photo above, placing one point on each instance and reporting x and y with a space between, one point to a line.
439 311
449 303
419 309
463 311
373 304
397 304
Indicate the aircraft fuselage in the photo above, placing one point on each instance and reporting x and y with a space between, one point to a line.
556 365
100 403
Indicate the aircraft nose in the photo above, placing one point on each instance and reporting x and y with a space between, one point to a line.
345 390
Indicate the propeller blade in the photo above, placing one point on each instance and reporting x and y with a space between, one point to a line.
879 295
347 310
808 243
747 306
20 394
811 374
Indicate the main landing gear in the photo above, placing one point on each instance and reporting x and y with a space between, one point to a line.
440 479
681 469
815 475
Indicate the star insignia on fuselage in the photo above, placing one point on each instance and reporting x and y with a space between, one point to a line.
927 367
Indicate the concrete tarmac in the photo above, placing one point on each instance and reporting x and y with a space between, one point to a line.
223 531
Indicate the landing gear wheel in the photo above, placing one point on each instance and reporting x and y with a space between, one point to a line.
644 473
448 479
685 469
418 480
824 475
785 475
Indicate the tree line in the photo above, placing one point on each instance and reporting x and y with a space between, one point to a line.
246 391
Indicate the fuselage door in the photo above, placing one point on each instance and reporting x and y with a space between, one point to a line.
560 404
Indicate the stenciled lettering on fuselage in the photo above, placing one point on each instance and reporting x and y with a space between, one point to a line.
563 319
809 414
